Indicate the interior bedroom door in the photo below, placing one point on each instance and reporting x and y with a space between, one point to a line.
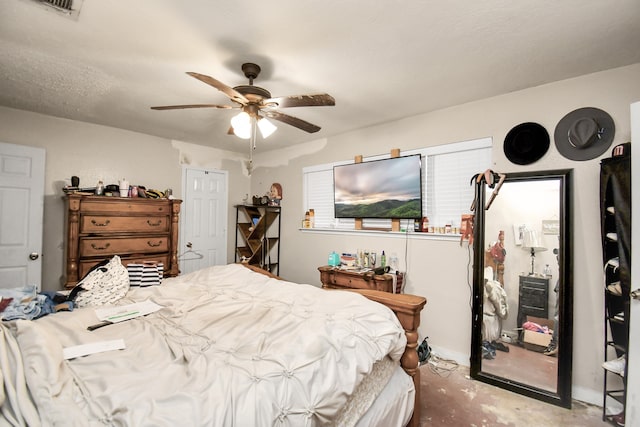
204 219
21 210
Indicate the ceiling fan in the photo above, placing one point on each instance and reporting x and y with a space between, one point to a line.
257 102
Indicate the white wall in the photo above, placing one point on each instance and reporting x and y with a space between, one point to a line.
440 269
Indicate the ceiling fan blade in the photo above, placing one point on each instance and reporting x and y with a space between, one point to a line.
233 94
176 107
302 101
293 121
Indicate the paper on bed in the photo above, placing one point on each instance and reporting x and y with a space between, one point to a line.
94 347
126 312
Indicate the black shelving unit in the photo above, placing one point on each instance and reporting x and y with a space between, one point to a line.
258 236
615 208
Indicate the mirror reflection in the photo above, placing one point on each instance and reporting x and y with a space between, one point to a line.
520 292
518 276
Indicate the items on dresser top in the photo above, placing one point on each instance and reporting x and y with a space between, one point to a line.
122 189
338 278
139 230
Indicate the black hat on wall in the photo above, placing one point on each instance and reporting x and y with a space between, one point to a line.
526 143
584 134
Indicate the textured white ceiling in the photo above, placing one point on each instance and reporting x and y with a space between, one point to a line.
380 60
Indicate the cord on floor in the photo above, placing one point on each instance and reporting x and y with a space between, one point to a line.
441 366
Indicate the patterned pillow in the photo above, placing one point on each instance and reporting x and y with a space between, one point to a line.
145 274
105 284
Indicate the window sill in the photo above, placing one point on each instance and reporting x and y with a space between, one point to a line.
384 233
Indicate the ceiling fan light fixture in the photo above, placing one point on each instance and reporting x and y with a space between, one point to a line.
266 127
241 125
253 100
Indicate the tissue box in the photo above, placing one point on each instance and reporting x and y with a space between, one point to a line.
348 260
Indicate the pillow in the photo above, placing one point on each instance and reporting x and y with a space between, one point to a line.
104 284
145 274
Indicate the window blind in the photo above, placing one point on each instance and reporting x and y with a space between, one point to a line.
448 188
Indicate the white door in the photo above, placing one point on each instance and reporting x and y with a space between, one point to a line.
21 206
203 227
632 414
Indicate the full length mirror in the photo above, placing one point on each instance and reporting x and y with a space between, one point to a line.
522 286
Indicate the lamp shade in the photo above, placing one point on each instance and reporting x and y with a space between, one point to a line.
266 127
241 124
531 240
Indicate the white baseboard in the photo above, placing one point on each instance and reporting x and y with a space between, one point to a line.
593 397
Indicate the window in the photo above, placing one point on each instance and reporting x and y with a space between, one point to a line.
447 171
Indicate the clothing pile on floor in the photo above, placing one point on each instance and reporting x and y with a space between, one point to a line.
533 326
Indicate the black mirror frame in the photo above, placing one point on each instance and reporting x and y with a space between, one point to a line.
562 397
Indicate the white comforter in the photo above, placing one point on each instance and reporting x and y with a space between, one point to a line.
231 347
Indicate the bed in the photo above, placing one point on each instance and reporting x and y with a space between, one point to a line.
231 346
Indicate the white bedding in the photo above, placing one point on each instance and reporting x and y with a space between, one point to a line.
231 347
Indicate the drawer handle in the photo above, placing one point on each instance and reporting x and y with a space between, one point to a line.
154 224
100 224
100 248
154 245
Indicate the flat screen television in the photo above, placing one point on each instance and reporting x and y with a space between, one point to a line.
388 188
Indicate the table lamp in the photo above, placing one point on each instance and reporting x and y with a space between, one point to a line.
532 241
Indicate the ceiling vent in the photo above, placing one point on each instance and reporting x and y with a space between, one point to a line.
69 8
60 4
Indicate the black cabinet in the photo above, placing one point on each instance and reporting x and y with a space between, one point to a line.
258 236
533 298
615 210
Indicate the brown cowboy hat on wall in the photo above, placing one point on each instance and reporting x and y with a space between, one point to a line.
584 134
526 143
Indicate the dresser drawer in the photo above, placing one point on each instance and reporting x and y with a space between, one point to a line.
118 224
344 281
86 264
101 246
125 205
359 281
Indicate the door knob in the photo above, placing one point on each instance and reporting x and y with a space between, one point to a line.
635 294
33 256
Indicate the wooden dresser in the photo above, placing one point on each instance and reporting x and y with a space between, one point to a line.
136 229
334 278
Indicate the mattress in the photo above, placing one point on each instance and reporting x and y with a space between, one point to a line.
393 406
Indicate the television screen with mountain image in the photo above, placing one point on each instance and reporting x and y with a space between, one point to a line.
388 188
